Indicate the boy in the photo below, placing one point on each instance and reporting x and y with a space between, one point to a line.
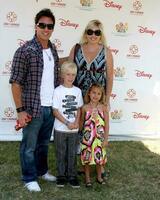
67 100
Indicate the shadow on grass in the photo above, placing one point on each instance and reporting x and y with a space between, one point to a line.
134 175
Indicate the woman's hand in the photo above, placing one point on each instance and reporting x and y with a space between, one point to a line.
107 104
105 143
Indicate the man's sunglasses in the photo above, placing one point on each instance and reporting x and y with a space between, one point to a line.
43 26
90 32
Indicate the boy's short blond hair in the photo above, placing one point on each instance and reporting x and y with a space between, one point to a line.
68 66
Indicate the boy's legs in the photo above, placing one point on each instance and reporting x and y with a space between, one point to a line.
60 147
72 161
72 152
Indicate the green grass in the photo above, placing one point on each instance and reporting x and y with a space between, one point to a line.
134 175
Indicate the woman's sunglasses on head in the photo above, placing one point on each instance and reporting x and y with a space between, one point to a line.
43 26
91 32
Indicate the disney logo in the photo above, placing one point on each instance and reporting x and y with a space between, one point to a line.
140 116
64 22
112 4
143 74
146 30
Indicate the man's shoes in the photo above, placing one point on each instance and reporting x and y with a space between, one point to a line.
60 182
49 177
74 183
33 186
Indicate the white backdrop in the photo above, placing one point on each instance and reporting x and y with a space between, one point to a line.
132 29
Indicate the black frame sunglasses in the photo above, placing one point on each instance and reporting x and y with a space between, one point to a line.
43 26
91 32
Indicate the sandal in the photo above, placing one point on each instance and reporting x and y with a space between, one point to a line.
88 184
102 182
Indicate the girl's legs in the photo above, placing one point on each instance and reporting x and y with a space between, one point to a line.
87 173
99 173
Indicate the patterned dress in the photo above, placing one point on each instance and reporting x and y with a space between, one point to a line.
93 136
89 73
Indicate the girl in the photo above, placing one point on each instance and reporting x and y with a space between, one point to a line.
95 129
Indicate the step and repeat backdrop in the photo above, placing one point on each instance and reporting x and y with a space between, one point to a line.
132 30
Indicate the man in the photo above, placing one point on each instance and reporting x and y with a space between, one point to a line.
34 76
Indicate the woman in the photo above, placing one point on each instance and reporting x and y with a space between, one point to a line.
94 60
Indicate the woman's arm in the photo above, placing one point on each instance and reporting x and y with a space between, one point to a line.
109 74
106 121
71 54
82 118
62 60
74 51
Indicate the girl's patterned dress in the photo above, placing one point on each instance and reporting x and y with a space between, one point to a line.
93 136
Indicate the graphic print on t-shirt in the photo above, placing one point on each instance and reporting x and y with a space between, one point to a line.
70 106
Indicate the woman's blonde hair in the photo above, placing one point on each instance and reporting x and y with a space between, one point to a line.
95 85
68 65
90 25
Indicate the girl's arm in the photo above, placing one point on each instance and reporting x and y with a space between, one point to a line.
106 121
109 74
77 119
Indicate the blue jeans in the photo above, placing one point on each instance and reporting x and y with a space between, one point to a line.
34 145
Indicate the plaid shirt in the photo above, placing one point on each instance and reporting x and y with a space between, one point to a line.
27 68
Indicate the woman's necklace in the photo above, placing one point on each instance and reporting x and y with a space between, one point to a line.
49 56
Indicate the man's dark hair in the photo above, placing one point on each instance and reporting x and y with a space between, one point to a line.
44 13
